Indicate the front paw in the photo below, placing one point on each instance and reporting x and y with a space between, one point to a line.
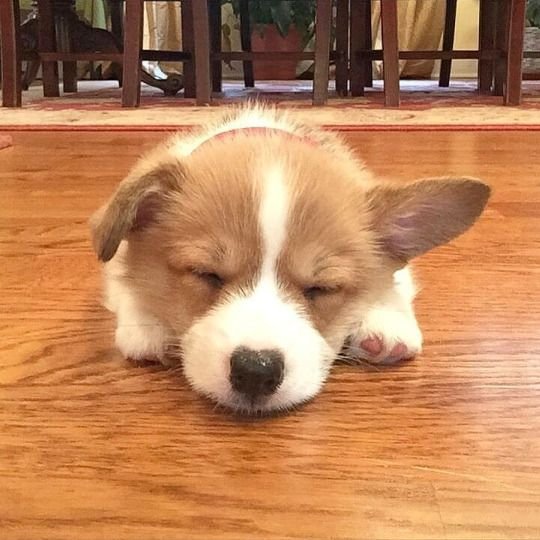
142 342
385 336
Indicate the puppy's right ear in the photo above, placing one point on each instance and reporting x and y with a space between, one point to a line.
134 205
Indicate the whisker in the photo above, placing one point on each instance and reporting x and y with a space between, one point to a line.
355 361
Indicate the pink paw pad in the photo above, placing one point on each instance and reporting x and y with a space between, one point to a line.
372 345
399 350
375 347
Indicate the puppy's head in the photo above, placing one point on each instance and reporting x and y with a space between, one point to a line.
260 255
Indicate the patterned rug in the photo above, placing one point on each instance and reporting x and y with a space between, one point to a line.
424 107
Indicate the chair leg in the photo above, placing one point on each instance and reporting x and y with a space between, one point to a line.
133 27
117 24
63 42
448 42
323 35
390 52
116 8
47 43
342 47
11 53
214 7
201 32
501 45
245 39
358 26
69 71
189 47
368 45
514 65
486 42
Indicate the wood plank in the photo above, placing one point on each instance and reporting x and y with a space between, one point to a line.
342 47
463 54
81 57
10 51
389 30
264 55
47 43
514 67
245 42
360 22
131 63
486 40
323 32
215 23
188 46
448 41
201 32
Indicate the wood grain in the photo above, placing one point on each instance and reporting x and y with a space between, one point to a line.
445 446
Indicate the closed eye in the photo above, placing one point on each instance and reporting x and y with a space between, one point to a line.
316 291
210 278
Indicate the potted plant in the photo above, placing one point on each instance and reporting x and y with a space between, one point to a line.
278 25
531 66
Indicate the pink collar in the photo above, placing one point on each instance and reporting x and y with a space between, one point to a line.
249 131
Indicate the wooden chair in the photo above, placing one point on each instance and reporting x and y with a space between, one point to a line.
129 59
363 54
10 53
174 83
55 48
49 55
493 30
321 56
201 32
499 54
448 42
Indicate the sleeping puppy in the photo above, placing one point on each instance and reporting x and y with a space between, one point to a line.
257 250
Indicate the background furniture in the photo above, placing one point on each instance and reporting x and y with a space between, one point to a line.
321 55
10 54
57 35
53 33
499 53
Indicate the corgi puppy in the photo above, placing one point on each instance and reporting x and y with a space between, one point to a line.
255 251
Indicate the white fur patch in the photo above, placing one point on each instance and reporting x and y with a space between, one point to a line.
273 218
261 320
392 320
139 335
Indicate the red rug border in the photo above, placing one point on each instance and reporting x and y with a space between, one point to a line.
332 127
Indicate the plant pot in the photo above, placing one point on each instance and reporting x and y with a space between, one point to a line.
531 42
268 39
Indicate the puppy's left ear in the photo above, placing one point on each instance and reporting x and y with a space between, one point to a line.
135 205
412 219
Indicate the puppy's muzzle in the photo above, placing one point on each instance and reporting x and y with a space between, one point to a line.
256 374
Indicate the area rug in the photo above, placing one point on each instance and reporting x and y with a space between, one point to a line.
424 106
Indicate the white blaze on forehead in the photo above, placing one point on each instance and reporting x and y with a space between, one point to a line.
273 219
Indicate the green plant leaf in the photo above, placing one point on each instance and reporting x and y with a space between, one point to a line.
282 13
533 13
282 17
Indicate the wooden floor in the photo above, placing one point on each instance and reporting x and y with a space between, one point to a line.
446 446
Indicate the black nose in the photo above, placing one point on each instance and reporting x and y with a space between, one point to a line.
256 373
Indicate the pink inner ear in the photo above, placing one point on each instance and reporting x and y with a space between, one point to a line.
147 210
407 221
404 230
